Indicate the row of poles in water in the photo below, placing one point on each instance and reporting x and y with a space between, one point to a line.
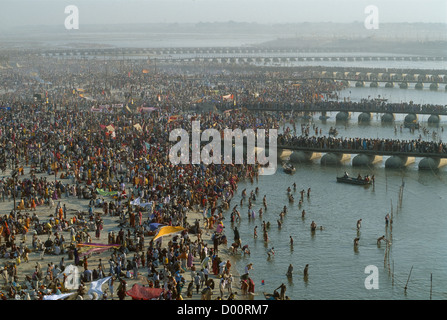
389 237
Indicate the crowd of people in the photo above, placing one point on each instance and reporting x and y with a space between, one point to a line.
65 163
67 169
53 155
417 146
366 105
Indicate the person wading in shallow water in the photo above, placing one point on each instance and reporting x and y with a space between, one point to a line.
306 271
282 294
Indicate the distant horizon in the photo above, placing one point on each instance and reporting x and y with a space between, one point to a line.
222 23
17 13
237 22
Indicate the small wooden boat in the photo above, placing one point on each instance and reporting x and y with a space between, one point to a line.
306 117
358 181
411 125
333 131
288 168
274 296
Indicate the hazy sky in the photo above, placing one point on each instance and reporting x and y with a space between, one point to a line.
51 12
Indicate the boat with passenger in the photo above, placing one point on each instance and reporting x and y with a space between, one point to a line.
333 131
359 180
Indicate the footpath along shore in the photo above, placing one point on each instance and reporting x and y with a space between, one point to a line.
22 281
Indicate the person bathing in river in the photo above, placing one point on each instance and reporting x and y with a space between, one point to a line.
289 270
380 239
266 236
306 271
359 224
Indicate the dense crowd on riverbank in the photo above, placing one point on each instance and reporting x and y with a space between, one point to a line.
90 185
74 156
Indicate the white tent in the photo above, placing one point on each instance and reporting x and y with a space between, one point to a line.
95 286
57 296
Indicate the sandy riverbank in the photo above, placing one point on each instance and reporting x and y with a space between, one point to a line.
73 205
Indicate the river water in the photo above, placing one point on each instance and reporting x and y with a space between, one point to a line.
417 252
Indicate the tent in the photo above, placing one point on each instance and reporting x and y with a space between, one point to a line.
98 245
57 296
138 292
137 202
168 230
95 286
174 118
102 192
92 250
86 249
228 97
147 109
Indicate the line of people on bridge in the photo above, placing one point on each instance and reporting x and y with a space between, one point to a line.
362 144
365 105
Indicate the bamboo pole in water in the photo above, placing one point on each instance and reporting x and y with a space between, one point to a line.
392 275
386 182
431 284
401 192
391 220
406 285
